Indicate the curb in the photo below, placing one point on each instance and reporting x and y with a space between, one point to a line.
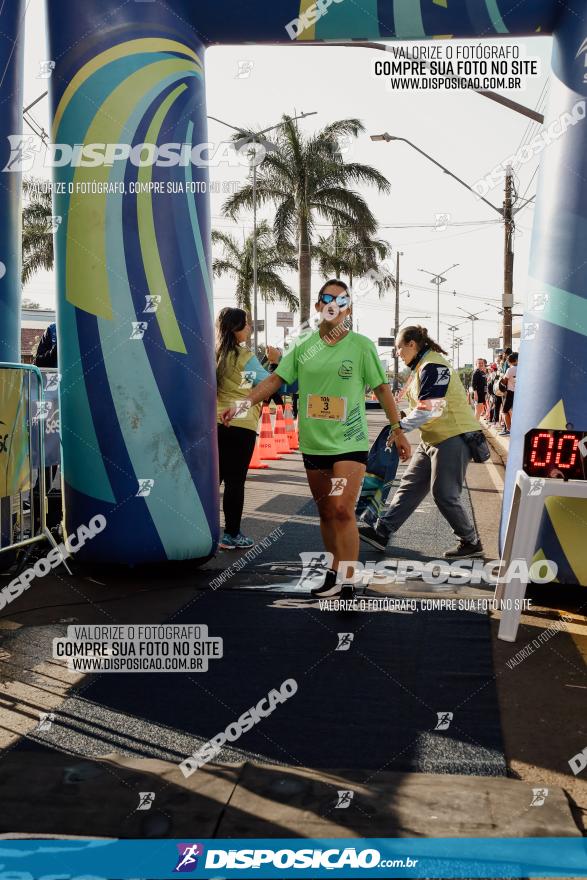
497 443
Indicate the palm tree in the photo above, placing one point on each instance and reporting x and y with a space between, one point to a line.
345 252
237 260
37 228
307 179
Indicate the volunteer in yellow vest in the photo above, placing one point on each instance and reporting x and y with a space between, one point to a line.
441 412
332 365
237 371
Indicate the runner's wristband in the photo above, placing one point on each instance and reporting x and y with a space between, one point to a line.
396 426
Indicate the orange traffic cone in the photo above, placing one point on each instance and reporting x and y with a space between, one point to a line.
267 448
255 462
292 437
280 433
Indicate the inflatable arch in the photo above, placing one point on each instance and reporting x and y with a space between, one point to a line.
138 414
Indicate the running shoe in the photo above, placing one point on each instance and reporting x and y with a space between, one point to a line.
373 537
465 550
503 434
240 542
328 588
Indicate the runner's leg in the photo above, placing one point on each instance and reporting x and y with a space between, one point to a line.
320 482
337 512
346 533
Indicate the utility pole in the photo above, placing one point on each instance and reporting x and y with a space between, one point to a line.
508 260
396 324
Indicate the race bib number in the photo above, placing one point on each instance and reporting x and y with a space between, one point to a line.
326 407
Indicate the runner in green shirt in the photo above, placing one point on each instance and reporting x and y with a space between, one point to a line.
332 367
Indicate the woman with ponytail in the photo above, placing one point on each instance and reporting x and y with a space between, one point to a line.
441 412
237 371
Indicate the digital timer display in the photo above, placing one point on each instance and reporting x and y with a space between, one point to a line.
556 453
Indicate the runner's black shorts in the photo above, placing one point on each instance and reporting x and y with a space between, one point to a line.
509 401
325 462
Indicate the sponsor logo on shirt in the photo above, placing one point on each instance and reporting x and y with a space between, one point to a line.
345 371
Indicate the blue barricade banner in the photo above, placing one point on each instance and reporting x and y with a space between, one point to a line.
259 858
52 419
46 412
15 466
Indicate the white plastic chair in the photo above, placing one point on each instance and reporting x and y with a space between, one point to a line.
530 494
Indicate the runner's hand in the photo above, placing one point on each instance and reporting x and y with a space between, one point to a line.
403 446
228 415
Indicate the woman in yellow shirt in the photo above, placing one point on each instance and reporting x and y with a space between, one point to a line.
237 371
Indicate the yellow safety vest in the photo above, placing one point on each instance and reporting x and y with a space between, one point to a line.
232 387
457 417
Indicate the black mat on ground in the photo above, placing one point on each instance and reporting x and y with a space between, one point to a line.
373 706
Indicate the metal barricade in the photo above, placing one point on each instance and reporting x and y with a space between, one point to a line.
23 491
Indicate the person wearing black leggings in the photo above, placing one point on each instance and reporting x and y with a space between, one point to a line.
237 371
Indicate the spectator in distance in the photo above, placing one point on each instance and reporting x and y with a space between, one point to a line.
46 355
510 378
479 383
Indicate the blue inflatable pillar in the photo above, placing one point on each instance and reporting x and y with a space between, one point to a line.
135 318
13 154
552 377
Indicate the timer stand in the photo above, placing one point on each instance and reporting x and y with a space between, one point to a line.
530 494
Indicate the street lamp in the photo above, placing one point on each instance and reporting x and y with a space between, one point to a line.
452 329
457 344
253 139
506 213
438 279
396 330
472 318
391 137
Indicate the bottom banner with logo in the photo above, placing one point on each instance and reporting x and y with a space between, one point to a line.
378 857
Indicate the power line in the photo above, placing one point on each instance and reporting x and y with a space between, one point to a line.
532 125
427 289
233 223
530 182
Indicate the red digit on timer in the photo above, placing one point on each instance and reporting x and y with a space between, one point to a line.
534 460
571 451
